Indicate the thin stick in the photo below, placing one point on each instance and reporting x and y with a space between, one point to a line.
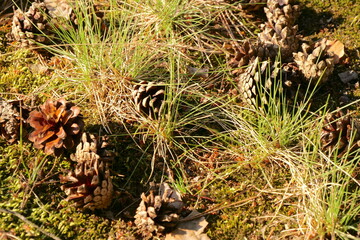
30 223
217 208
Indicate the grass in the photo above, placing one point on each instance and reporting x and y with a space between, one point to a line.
257 173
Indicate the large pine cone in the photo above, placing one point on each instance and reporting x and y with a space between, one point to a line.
338 130
315 62
32 26
58 125
158 211
255 83
267 79
148 98
90 185
279 31
10 119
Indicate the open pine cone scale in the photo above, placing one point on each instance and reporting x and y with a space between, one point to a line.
57 125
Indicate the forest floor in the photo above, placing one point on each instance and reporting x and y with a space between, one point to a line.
254 174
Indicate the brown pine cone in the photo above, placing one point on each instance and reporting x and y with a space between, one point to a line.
315 62
90 185
92 148
254 83
239 55
279 31
63 9
263 80
11 117
338 130
158 211
58 125
148 98
32 26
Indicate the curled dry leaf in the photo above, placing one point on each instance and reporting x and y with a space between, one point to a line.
190 230
336 48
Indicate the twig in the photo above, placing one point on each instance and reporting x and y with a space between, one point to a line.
30 223
218 207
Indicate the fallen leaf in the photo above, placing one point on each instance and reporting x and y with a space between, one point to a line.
38 68
190 230
337 48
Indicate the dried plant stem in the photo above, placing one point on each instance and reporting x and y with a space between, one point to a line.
218 208
29 222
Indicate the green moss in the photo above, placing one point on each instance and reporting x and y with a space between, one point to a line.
262 215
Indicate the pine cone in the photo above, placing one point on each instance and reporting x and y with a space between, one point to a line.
337 131
92 148
32 26
158 211
240 55
267 79
148 98
279 31
315 62
90 185
10 119
58 125
254 83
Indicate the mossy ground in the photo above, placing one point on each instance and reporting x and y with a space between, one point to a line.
29 182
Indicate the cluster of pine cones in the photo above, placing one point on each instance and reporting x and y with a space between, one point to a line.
39 23
256 64
58 126
36 26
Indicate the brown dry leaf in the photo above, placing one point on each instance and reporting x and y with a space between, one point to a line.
190 230
337 48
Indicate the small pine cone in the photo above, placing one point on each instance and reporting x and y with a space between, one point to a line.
61 10
338 131
32 26
239 56
315 62
255 82
10 120
58 125
148 98
92 148
158 211
90 185
279 31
